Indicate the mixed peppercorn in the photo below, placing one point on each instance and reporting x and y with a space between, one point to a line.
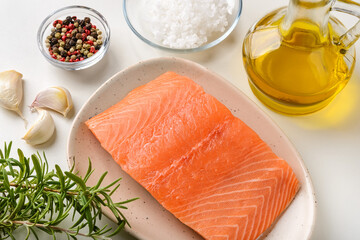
73 40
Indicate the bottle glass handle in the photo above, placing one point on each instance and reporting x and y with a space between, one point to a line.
353 34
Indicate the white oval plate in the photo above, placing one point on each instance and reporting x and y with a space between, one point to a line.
149 220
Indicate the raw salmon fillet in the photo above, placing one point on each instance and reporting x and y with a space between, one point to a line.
204 165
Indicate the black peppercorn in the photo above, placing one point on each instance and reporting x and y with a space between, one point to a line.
87 20
72 42
74 39
88 26
94 35
97 47
52 34
53 41
82 23
67 46
81 30
78 36
63 53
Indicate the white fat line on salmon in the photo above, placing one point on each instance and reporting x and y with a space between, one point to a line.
217 202
211 187
213 210
222 226
214 190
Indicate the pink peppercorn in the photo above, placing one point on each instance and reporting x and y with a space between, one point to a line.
56 22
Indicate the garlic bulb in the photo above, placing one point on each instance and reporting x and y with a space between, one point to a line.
54 98
11 91
42 130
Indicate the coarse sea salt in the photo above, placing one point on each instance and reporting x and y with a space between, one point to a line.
185 24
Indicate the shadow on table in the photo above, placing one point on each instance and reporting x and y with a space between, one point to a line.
342 113
92 75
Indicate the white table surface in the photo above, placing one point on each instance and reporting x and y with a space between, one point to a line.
329 140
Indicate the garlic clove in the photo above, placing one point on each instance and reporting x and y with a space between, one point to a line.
42 130
54 98
11 91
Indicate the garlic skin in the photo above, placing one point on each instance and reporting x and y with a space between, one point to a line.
42 130
11 91
55 98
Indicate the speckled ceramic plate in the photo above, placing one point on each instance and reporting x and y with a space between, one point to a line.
148 218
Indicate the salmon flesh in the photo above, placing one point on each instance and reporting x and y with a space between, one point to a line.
200 162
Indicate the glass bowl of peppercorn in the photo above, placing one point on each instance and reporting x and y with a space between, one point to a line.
74 37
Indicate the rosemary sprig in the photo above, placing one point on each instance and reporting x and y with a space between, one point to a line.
32 197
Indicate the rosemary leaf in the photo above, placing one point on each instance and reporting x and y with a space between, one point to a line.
77 180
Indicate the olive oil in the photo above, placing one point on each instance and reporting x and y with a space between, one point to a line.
298 70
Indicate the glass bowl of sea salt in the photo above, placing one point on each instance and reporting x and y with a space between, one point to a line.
182 25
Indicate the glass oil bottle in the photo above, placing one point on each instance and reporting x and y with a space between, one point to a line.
298 58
